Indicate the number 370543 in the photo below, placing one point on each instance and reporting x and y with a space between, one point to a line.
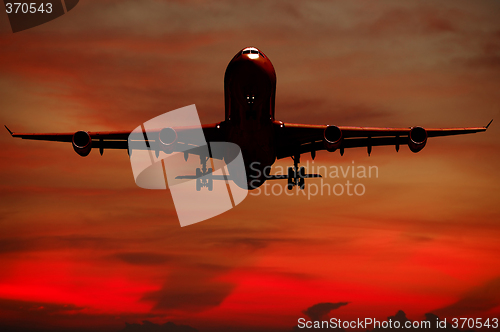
474 323
28 8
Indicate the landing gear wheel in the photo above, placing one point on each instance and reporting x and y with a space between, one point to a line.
210 180
199 183
302 184
302 175
291 177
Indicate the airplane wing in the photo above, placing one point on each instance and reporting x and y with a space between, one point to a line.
291 139
295 139
84 141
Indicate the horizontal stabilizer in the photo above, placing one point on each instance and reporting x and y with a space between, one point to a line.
194 177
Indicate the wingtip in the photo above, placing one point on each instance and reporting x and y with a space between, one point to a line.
10 132
488 124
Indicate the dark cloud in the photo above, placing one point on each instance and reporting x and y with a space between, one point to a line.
190 290
477 301
21 316
416 20
34 316
37 308
487 52
400 317
45 243
147 326
143 258
321 310
255 242
486 61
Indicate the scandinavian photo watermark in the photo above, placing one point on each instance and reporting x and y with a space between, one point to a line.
349 180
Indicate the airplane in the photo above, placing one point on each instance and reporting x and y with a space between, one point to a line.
249 93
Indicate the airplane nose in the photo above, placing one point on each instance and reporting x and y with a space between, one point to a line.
251 53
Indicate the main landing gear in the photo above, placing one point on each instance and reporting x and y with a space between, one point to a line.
204 175
296 175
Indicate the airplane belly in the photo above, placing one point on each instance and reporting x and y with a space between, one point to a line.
257 148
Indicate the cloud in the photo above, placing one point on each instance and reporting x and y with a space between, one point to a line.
147 326
486 61
415 20
35 316
190 289
19 316
478 301
189 292
400 316
46 243
143 258
321 310
37 308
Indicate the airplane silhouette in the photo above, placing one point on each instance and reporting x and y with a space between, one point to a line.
249 92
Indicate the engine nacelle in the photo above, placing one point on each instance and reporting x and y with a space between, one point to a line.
166 138
417 138
82 143
332 138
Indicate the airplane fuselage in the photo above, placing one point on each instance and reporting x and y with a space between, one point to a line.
249 92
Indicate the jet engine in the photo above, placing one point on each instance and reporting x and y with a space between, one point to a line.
417 139
332 138
82 143
167 137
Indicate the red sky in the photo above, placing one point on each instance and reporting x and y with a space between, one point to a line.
82 246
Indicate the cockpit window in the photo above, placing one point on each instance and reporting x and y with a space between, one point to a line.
255 53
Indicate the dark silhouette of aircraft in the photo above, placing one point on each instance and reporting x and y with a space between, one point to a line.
249 91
